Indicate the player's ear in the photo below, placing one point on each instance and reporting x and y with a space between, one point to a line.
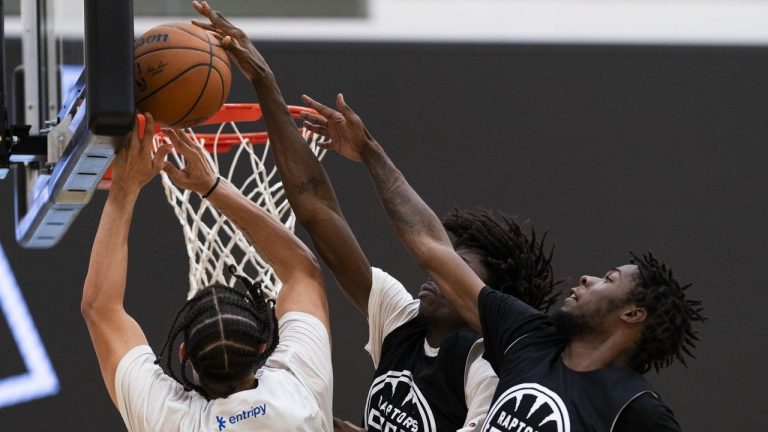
183 353
633 314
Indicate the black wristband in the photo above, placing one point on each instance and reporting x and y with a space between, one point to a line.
213 188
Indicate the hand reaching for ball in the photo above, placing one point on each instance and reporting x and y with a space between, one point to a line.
234 41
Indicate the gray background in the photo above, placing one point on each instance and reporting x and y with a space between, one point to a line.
251 8
607 148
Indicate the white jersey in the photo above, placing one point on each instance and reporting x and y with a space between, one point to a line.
294 393
389 307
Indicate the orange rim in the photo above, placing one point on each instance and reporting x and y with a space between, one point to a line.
236 113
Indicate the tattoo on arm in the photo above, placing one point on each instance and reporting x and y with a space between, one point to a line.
310 184
405 208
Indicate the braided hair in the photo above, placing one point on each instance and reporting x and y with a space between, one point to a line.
668 333
517 264
228 332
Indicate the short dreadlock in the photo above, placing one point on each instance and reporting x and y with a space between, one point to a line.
517 264
668 332
223 329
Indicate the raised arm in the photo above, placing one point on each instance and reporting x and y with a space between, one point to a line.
113 332
414 222
303 289
307 186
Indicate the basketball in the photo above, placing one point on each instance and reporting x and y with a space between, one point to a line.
182 74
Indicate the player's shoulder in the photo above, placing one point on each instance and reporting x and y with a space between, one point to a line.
647 411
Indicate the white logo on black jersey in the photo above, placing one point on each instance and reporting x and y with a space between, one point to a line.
528 408
395 404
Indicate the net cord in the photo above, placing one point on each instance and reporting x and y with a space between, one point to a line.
212 241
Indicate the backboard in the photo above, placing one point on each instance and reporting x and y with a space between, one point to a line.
72 106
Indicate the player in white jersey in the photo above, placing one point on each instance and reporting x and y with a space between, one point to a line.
255 364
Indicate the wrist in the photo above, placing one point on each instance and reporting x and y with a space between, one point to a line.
371 149
264 81
207 193
123 192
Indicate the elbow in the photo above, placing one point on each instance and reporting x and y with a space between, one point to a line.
312 266
307 265
90 306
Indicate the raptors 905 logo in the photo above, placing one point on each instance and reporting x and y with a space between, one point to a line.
528 408
395 404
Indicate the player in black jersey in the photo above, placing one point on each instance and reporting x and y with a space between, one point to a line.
429 375
581 370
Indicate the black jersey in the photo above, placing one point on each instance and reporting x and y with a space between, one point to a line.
413 391
538 393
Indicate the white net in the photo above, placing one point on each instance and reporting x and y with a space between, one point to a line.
213 242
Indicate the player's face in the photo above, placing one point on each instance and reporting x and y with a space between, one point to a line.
433 304
595 297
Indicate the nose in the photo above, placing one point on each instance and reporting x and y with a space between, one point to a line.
584 280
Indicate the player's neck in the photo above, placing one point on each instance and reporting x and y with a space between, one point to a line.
589 352
224 389
436 333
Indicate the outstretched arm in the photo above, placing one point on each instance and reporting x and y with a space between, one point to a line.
112 330
307 186
414 222
303 289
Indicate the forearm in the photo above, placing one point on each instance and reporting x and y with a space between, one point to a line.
413 221
105 283
285 253
306 184
423 235
311 196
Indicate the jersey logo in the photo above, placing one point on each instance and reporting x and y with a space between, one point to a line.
528 408
395 404
40 379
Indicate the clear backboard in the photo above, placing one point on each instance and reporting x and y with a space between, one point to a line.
71 106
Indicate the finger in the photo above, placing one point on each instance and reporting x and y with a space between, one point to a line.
345 109
320 130
189 142
313 118
317 106
179 144
218 36
158 161
174 173
228 43
149 126
205 10
204 26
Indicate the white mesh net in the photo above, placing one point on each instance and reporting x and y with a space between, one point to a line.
213 242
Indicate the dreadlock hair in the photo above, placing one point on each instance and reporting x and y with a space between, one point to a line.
668 332
517 264
224 328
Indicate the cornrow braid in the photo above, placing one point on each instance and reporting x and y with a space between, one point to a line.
224 328
517 264
668 334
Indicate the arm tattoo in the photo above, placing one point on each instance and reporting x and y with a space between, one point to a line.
310 184
405 208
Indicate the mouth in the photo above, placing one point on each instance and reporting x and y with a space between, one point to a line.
573 295
428 287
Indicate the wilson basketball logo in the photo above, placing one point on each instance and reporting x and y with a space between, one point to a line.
528 408
155 38
396 404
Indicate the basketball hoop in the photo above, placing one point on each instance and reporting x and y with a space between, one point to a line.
213 242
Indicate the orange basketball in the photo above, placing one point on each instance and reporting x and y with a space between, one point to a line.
182 74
